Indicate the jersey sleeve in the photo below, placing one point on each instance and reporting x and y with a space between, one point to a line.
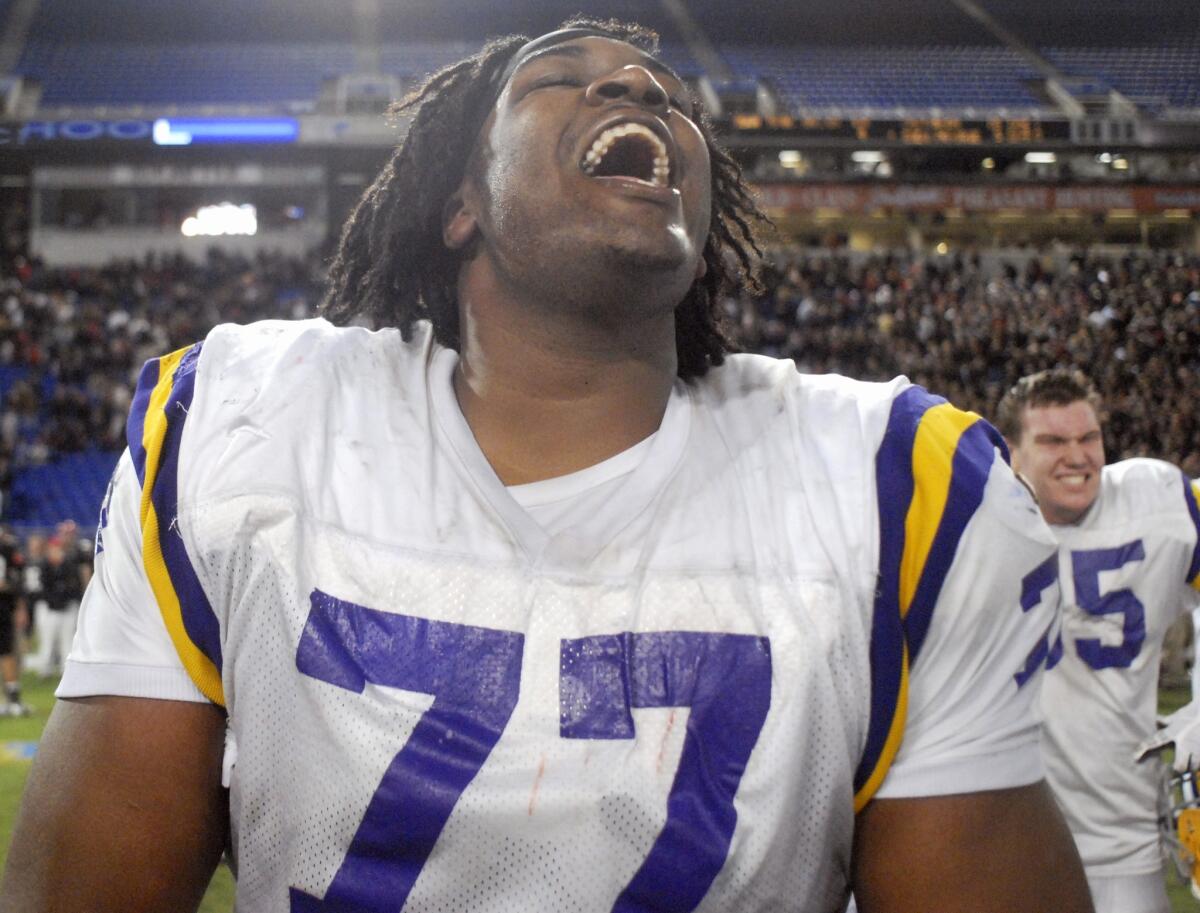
1191 497
146 628
965 614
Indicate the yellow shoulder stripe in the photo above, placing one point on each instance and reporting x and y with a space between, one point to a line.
933 454
201 669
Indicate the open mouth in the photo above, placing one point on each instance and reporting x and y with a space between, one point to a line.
632 151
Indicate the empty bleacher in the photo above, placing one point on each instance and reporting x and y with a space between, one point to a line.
1156 77
182 75
229 75
854 55
160 22
981 78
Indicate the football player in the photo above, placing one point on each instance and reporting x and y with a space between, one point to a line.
1129 565
12 624
534 599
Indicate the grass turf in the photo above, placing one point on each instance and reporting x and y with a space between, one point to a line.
16 734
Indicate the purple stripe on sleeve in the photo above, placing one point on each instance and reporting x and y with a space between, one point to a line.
894 487
973 458
198 618
135 425
1189 495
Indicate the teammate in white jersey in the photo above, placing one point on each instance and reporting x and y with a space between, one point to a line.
1128 566
537 601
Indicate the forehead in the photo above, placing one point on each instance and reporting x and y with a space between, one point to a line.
600 52
1067 420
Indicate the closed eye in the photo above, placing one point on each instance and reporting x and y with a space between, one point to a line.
552 81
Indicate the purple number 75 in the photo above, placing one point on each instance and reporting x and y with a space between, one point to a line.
474 675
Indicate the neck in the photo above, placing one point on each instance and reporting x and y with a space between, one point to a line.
549 389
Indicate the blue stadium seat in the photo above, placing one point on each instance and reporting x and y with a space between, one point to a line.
226 73
1165 75
200 74
9 375
809 78
70 488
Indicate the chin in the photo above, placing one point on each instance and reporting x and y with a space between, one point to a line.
1070 513
641 260
658 263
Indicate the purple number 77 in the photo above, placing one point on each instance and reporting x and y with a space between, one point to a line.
726 681
474 675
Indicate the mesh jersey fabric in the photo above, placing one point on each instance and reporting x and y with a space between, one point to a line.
1128 569
810 591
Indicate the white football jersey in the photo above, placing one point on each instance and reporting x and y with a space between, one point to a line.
1127 571
807 592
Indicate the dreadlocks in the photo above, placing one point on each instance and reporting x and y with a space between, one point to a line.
392 268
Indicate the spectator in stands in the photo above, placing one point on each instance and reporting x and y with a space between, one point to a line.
970 333
72 341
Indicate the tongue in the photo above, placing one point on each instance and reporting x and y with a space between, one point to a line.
627 157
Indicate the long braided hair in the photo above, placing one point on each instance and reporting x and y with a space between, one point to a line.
392 267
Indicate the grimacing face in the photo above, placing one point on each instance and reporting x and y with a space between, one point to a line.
591 160
1060 455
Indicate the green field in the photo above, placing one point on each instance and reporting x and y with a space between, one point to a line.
219 899
13 770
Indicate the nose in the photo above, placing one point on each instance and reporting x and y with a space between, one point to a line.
631 83
1077 454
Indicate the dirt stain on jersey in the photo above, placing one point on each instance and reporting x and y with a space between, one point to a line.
662 749
537 782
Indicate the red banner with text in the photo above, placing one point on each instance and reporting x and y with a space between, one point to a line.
865 198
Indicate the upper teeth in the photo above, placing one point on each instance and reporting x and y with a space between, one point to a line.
662 162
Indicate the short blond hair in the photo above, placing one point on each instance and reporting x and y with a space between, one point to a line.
1053 387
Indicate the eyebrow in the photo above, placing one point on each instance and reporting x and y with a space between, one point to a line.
1049 437
576 51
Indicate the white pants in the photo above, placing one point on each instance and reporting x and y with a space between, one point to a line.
1129 893
55 631
1196 654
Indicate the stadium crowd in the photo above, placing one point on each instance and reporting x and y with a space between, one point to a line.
73 340
1132 323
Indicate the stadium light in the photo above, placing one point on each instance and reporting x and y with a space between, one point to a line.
223 219
790 158
1041 158
178 132
867 156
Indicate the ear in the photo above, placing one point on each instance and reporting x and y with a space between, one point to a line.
458 222
1014 459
